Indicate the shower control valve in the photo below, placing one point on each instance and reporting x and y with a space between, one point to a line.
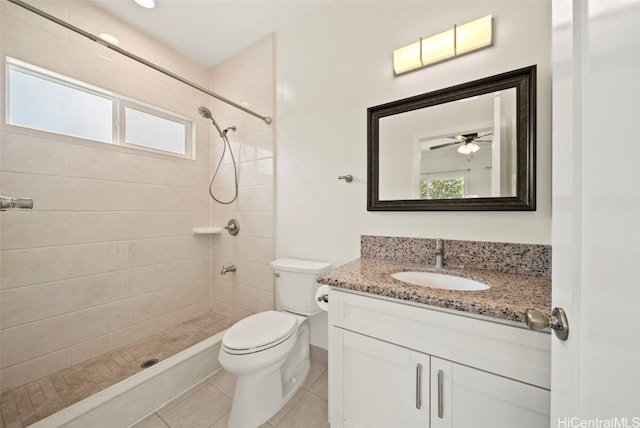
233 227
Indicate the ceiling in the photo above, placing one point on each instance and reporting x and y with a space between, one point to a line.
210 31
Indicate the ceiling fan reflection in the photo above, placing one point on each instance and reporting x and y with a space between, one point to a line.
467 140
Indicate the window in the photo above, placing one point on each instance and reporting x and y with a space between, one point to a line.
49 105
442 188
152 131
42 100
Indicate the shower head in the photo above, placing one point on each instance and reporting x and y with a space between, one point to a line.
204 112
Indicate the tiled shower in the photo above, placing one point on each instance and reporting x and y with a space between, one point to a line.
108 254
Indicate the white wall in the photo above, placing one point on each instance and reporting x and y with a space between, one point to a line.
336 62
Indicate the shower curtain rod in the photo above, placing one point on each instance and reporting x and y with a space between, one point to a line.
134 57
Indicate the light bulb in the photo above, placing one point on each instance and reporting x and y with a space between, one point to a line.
468 148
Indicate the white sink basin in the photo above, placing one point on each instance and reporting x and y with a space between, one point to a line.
438 280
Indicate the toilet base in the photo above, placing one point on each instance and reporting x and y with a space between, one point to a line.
260 396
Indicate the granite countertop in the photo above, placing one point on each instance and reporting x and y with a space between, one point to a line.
508 298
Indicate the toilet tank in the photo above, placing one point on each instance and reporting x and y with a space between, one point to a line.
296 284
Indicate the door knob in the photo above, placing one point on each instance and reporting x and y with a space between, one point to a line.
557 321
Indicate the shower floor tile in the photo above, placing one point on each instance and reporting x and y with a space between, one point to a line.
27 404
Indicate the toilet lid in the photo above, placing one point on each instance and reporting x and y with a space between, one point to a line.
261 330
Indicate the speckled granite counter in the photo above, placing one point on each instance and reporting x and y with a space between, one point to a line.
509 296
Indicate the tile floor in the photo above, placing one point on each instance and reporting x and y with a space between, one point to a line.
36 400
207 405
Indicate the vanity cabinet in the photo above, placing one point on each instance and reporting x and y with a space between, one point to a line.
466 397
401 365
384 385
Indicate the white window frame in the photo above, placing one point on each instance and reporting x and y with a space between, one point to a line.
119 103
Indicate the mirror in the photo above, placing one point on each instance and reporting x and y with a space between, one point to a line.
467 147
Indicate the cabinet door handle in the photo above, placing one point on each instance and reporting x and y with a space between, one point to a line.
440 387
418 386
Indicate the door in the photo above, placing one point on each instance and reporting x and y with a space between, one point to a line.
596 211
384 385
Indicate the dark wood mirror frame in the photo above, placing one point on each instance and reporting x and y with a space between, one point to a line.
524 81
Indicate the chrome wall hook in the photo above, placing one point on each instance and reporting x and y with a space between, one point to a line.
348 178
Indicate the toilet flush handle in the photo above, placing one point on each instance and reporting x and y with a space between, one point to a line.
323 298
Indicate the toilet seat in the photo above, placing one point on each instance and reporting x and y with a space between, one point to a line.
259 332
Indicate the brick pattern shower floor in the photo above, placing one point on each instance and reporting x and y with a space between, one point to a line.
36 400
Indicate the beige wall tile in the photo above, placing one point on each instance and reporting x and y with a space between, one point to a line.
27 371
258 250
29 341
223 291
256 198
29 151
26 304
154 304
154 325
37 265
52 193
250 274
224 245
31 229
256 172
257 224
252 300
91 348
250 288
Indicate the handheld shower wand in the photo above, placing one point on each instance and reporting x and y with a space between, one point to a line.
206 113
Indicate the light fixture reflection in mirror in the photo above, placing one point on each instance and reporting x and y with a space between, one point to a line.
468 148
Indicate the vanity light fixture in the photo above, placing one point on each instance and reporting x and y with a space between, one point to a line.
459 40
147 4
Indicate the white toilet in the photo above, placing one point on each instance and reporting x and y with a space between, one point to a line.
269 351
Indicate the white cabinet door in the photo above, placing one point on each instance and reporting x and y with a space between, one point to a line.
465 397
384 385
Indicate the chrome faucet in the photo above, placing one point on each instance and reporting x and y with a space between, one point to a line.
439 253
226 269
